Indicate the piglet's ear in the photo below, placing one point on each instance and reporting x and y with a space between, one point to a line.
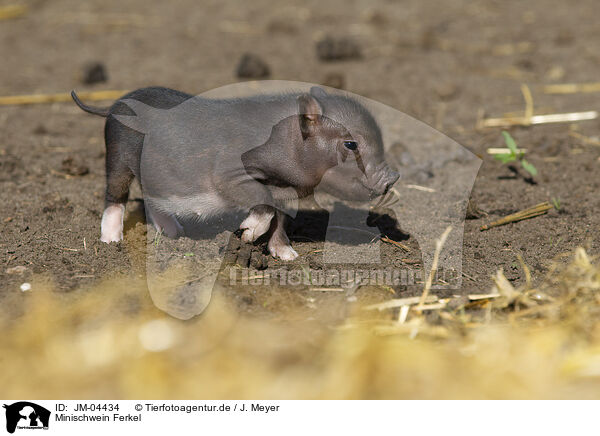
309 114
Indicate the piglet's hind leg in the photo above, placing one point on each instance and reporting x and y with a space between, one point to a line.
166 223
112 223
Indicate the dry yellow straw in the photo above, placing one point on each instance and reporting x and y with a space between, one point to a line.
62 97
504 150
12 11
529 119
528 101
399 302
585 139
439 244
540 119
396 243
572 88
538 209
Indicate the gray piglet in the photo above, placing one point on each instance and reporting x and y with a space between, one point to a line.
204 157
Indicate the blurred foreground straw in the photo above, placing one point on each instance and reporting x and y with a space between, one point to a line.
12 11
517 342
62 97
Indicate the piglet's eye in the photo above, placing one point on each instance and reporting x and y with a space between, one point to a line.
351 145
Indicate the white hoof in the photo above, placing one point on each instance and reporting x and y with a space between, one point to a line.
112 223
283 252
255 226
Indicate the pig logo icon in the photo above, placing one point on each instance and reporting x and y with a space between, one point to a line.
26 415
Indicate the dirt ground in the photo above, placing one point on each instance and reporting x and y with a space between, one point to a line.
440 64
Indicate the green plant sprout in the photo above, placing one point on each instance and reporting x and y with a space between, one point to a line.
515 155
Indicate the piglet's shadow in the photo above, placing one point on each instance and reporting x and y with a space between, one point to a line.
312 225
307 226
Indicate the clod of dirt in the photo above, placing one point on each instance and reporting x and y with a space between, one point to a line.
259 260
564 37
429 40
337 49
58 204
243 258
525 64
231 252
552 146
94 72
335 80
473 211
40 130
283 26
252 67
10 167
411 170
376 18
71 167
446 90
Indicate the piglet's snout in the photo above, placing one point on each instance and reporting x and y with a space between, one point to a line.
391 178
383 179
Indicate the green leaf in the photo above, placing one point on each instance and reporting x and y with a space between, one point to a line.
510 142
505 157
529 168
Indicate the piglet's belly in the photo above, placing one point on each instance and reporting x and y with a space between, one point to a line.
204 205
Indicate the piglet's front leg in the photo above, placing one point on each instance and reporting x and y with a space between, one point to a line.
279 244
263 217
257 223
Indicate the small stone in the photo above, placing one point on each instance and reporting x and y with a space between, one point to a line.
94 72
564 37
422 175
26 287
16 270
335 80
72 168
525 64
446 90
337 49
429 40
252 67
